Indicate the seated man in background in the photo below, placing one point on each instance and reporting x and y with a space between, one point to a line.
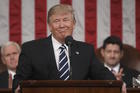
112 52
9 54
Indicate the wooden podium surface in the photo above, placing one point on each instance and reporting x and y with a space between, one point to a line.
5 90
133 90
71 86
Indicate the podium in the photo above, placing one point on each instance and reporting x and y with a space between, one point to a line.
133 90
5 90
71 86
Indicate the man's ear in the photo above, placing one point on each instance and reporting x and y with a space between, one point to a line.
102 52
122 53
3 60
50 27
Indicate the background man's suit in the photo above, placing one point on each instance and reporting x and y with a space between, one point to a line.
4 79
37 61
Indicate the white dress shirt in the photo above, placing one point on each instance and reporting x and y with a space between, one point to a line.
115 68
12 73
56 46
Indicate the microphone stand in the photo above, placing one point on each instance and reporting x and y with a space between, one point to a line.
69 40
69 51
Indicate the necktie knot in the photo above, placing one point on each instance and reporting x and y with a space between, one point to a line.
62 47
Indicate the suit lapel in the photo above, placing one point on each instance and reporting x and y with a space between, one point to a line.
53 74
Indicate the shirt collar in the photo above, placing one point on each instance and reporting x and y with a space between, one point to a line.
115 68
57 44
11 72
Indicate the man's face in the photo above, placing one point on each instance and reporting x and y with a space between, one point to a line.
61 25
10 57
112 54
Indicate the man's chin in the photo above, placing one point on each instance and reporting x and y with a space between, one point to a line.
112 63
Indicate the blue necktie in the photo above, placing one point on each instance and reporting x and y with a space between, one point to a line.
63 64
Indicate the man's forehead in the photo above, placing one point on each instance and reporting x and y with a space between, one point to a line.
112 46
62 14
10 47
59 16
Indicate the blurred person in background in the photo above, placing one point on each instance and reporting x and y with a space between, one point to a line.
10 55
112 52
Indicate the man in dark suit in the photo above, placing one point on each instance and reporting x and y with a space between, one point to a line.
112 52
9 54
39 59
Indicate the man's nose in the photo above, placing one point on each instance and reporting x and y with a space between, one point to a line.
61 24
12 56
112 54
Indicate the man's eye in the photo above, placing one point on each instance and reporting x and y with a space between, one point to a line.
7 55
108 51
55 21
66 19
117 52
15 53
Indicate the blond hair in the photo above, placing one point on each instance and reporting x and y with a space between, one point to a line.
60 9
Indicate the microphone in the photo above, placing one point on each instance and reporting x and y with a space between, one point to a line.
69 41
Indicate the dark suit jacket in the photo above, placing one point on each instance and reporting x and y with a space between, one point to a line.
37 61
4 79
128 75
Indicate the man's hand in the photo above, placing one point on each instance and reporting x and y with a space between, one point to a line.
119 74
124 89
119 77
17 89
